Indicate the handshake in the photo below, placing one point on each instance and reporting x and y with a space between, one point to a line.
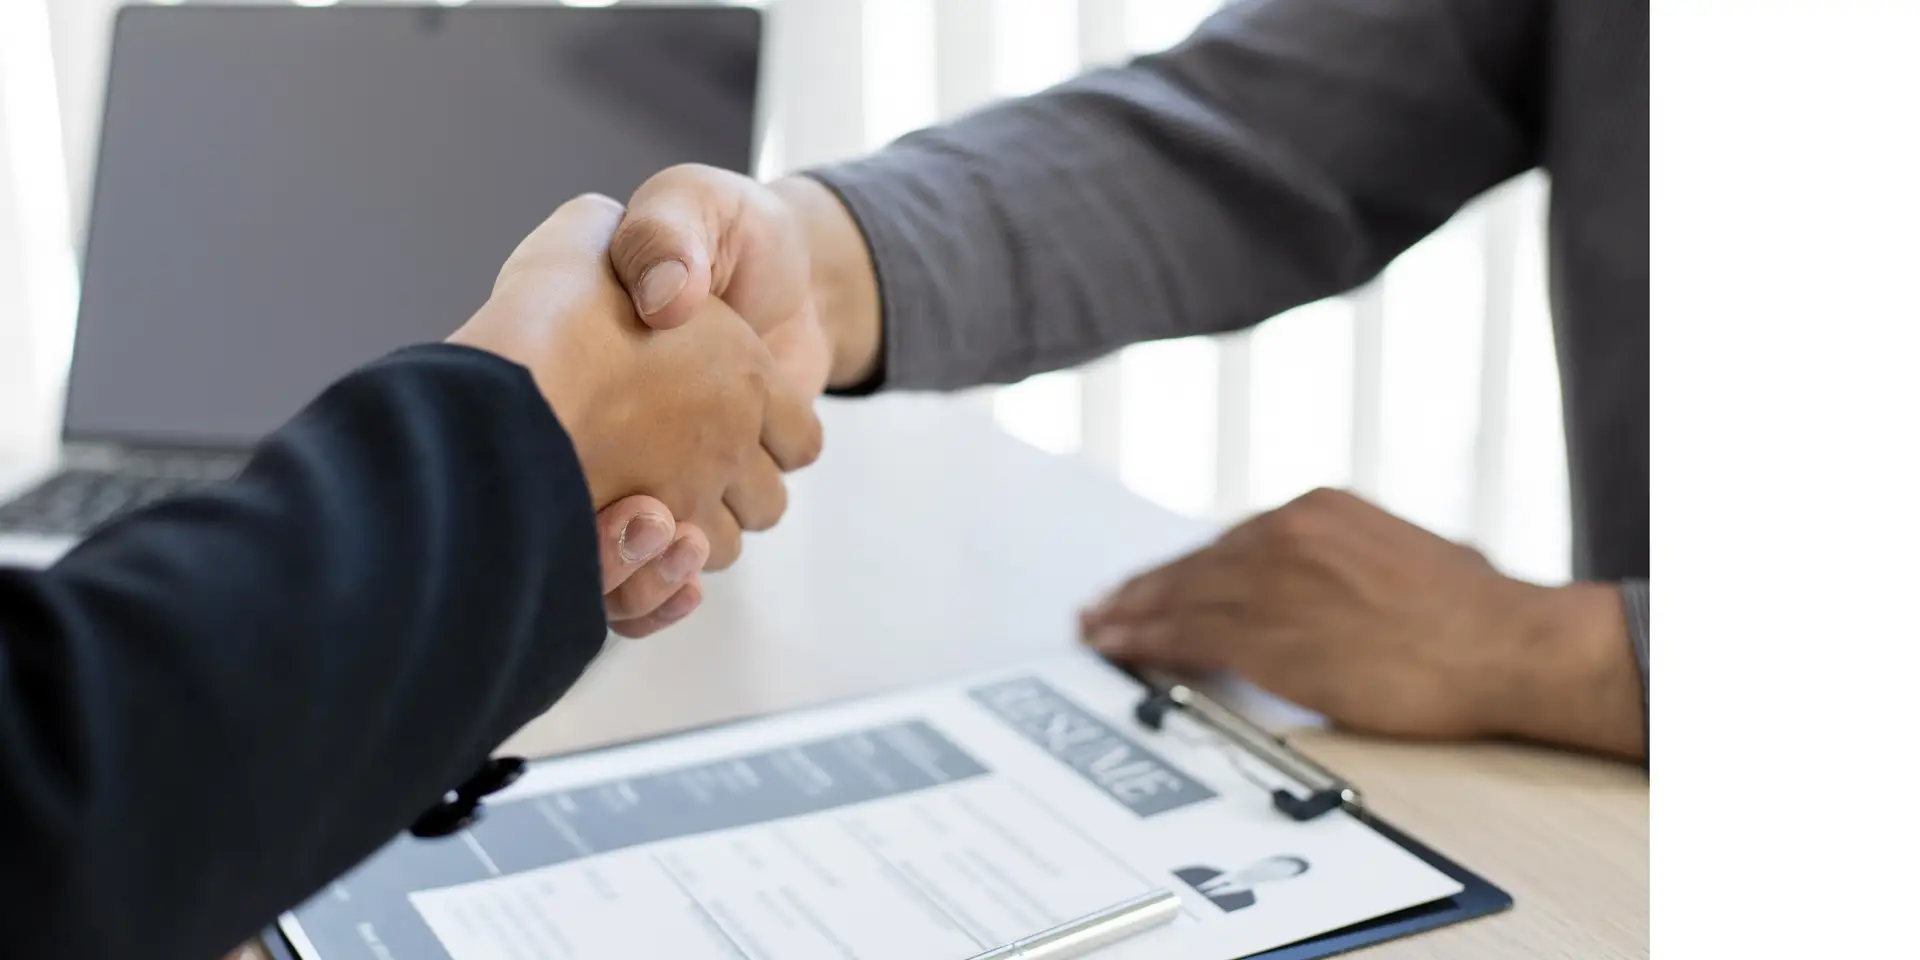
680 342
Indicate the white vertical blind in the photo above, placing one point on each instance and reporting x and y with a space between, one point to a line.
965 54
1434 311
1103 42
1500 242
1233 446
78 30
1171 410
820 45
1367 421
1533 538
904 94
37 281
1432 390
1102 33
1302 401
1040 44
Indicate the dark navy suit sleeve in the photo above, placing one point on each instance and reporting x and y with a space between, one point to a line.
215 706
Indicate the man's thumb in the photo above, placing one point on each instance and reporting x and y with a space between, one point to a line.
663 252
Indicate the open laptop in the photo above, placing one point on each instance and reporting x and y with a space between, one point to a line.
286 193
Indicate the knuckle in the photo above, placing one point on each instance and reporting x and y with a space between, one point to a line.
1323 498
777 503
795 436
1293 521
812 445
759 376
635 598
1142 593
1310 513
638 242
764 511
597 203
664 180
684 174
722 529
725 552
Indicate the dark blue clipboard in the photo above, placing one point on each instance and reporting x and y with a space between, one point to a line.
1479 898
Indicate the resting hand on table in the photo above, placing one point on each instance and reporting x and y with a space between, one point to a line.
1347 610
694 418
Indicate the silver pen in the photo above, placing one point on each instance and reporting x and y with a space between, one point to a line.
1077 938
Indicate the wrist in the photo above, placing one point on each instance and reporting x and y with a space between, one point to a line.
845 289
566 396
1569 676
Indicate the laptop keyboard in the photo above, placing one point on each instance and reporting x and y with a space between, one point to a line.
77 502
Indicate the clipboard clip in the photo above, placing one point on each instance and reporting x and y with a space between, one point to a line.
460 807
1324 790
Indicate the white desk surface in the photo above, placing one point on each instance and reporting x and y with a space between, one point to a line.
926 543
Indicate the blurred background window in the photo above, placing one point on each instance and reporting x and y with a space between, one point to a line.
1434 391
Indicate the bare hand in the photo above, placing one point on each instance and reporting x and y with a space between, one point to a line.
1340 607
650 566
787 257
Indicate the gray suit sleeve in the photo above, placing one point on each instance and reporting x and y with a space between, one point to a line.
1285 152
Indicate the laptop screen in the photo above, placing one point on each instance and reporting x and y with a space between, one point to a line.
284 194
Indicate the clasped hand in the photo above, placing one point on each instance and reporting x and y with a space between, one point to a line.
690 423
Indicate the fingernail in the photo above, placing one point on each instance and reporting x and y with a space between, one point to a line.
644 536
660 284
1109 640
683 560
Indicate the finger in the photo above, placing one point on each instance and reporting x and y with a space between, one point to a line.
758 496
723 531
652 584
633 532
574 238
1146 594
665 246
641 594
1213 578
1196 644
677 608
790 430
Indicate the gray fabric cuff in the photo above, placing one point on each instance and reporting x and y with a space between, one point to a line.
1634 597
876 381
917 352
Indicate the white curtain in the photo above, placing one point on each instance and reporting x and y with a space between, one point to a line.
37 280
1434 391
